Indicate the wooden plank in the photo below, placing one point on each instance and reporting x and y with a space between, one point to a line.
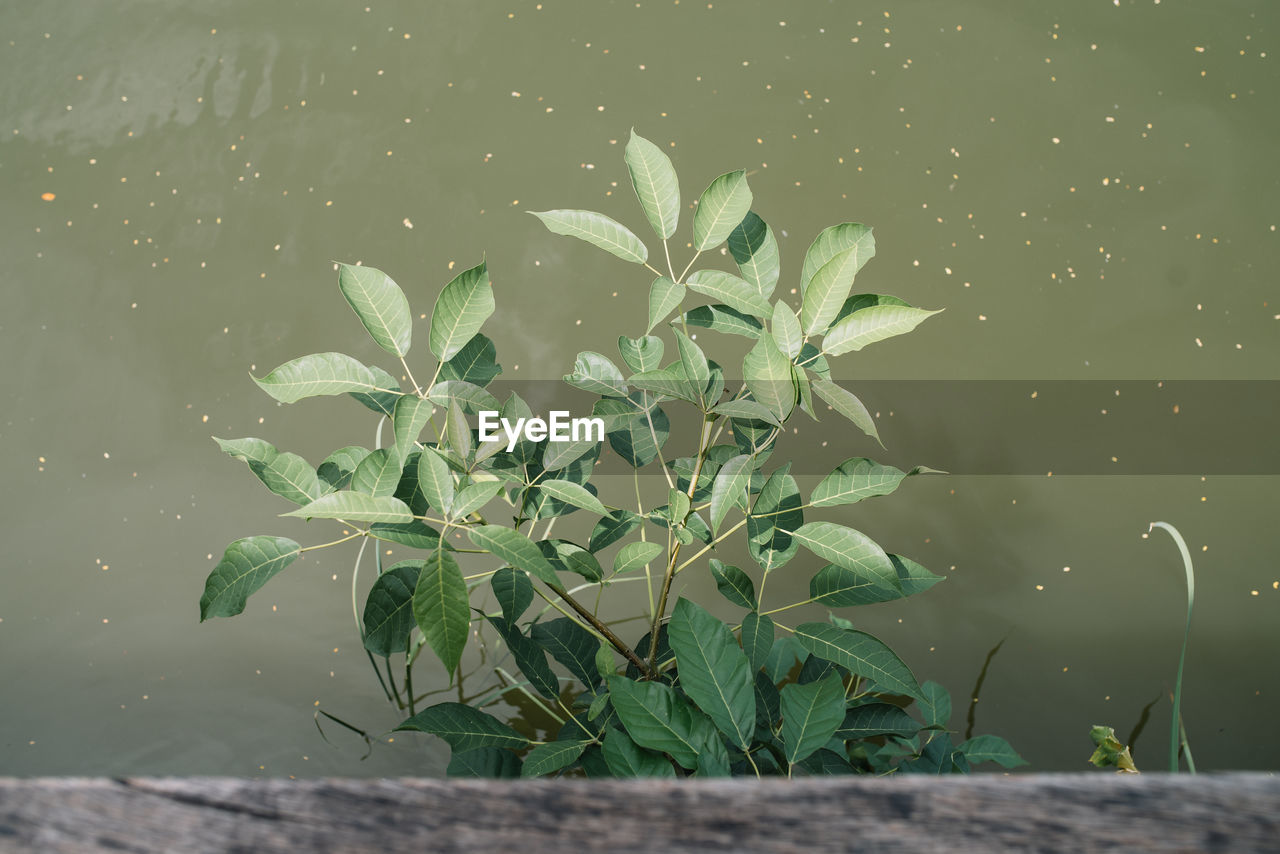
1070 812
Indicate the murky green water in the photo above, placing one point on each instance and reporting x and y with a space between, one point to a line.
1087 188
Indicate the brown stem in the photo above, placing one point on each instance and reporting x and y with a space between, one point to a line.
605 631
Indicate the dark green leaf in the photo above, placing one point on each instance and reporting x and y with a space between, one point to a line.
723 319
755 250
484 763
571 645
530 658
859 653
640 441
388 612
515 548
415 534
378 474
735 584
714 671
246 565
476 363
656 718
875 719
336 470
571 557
757 638
775 512
612 528
514 592
627 759
991 748
551 757
810 715
384 397
463 727
935 704
442 609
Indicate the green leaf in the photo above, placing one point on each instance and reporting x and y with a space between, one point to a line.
786 330
875 719
492 763
840 587
678 504
514 592
380 305
594 373
571 645
859 653
458 431
855 479
598 230
435 480
605 664
935 704
635 555
384 397
442 608
476 363
628 760
656 718
694 362
641 354
246 565
473 496
729 289
721 318
561 455
729 488
714 671
721 209
516 549
767 373
460 310
568 556
415 535
612 528
749 409
755 250
464 728
850 549
757 638
857 302
317 374
355 507
388 611
338 468
655 183
734 584
664 296
775 513
530 658
378 474
831 242
250 450
470 396
811 714
669 382
572 493
407 420
551 757
846 404
640 441
291 477
827 291
991 748
870 325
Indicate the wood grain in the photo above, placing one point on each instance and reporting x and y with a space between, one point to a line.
1070 812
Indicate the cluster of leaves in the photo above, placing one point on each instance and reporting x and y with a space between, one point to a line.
694 695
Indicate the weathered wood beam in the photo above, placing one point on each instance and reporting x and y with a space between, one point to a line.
1069 812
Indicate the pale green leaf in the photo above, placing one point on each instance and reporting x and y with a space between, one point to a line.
664 296
378 474
435 480
551 757
855 479
291 477
355 507
457 430
844 402
635 555
870 325
655 183
460 310
597 229
470 396
442 608
694 362
729 488
246 565
514 548
754 248
384 397
318 374
380 305
730 290
827 291
991 748
749 409
767 373
786 330
336 470
723 319
407 420
641 354
831 242
721 208
473 496
596 374
572 493
850 549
